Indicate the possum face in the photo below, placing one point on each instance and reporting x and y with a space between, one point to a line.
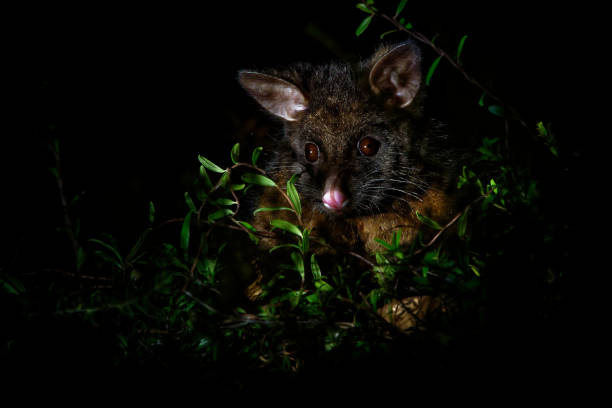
348 132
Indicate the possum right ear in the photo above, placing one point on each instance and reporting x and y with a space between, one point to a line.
279 97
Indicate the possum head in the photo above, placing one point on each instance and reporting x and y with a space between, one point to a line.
351 133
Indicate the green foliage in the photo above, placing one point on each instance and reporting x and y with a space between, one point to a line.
167 289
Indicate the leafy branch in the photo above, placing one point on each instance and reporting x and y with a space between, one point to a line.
402 26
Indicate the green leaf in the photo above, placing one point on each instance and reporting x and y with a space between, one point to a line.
427 221
225 179
460 47
363 8
315 268
247 226
432 69
185 231
287 226
204 175
217 215
305 240
386 33
497 110
397 235
493 186
400 7
250 230
235 153
298 261
264 209
224 201
189 202
255 155
237 187
462 224
210 165
293 195
81 256
323 286
285 246
12 285
474 269
384 243
151 212
258 179
363 25
109 247
481 100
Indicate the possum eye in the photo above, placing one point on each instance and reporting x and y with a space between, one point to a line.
311 152
368 146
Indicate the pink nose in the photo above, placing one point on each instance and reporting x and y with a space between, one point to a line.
334 199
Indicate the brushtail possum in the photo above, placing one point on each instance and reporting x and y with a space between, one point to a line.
367 156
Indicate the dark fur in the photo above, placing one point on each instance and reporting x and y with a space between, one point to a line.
413 170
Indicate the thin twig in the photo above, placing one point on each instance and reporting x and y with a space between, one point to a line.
67 221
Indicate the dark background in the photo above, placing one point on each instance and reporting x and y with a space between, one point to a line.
134 93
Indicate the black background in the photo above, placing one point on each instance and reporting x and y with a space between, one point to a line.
134 93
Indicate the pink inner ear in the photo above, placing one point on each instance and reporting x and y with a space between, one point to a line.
334 199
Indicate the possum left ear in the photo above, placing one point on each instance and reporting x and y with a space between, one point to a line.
397 75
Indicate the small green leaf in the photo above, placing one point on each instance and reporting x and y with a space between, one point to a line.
298 261
315 268
224 201
400 7
462 224
323 286
55 172
397 235
384 243
210 165
258 179
237 187
460 47
481 100
294 297
284 246
474 269
264 209
12 285
255 155
363 8
185 231
81 256
293 195
493 186
225 179
287 226
109 247
386 33
217 215
151 212
204 175
427 221
247 226
305 240
189 202
363 25
235 153
497 110
432 69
